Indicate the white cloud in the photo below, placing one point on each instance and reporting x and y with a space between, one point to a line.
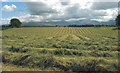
75 19
12 0
106 0
7 8
4 21
111 15
26 18
4 0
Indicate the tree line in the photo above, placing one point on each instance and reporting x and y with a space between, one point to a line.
91 25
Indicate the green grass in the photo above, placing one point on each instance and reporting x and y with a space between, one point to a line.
61 48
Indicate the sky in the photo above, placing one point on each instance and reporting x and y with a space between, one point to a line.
58 10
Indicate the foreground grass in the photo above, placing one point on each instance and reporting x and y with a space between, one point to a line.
44 61
9 67
61 48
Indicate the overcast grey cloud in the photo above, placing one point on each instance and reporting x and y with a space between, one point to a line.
39 8
64 3
104 5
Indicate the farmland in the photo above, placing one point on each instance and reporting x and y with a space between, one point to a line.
61 48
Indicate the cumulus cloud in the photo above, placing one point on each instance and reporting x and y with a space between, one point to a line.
77 12
69 10
106 0
77 0
7 8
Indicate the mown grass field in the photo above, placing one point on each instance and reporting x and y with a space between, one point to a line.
61 48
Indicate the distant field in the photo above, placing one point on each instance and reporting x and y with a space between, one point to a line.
61 48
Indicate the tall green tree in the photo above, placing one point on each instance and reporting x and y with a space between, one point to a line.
118 21
15 22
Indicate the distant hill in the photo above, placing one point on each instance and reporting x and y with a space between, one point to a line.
63 23
80 22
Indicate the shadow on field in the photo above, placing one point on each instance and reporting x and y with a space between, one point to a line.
116 28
